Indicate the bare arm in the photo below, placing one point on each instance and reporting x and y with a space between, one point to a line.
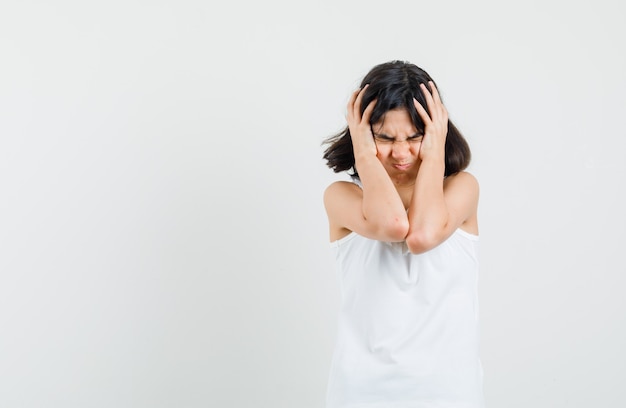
438 207
376 211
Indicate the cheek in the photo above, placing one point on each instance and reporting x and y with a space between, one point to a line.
381 152
415 147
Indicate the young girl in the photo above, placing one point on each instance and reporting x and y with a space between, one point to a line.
404 235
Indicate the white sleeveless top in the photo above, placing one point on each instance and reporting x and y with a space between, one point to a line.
408 334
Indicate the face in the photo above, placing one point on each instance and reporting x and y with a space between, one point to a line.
398 143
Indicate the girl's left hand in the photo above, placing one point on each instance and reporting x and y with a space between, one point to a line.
434 140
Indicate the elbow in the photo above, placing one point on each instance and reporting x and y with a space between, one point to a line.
395 230
420 241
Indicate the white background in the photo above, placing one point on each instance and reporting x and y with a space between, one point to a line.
162 234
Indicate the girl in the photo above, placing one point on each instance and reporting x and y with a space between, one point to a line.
404 234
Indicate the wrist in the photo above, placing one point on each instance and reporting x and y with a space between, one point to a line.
433 163
364 156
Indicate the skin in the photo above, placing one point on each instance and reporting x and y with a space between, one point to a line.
405 196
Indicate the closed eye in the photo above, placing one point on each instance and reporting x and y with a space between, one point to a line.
383 138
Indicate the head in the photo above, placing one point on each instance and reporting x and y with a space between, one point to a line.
394 85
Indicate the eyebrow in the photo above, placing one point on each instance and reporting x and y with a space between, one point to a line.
384 136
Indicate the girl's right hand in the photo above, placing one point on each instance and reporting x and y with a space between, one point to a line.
360 128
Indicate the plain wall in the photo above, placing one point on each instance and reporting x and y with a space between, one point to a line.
162 234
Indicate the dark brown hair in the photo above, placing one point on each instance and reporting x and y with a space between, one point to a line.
394 85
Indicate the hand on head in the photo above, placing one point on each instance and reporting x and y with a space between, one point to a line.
436 123
359 125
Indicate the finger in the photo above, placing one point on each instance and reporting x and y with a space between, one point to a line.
422 112
434 105
437 99
357 103
443 113
428 96
430 103
367 114
434 91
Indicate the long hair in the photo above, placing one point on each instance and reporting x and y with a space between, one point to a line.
394 85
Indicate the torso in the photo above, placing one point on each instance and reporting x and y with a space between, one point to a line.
408 325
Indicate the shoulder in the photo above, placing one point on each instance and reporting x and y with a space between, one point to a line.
463 176
340 189
341 198
461 192
462 180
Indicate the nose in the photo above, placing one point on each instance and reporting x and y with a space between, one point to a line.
400 149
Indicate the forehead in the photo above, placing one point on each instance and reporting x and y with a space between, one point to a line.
395 122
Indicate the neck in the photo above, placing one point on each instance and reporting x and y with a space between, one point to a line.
403 181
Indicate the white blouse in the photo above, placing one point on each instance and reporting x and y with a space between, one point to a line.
408 333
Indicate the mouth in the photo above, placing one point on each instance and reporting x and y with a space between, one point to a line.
402 166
